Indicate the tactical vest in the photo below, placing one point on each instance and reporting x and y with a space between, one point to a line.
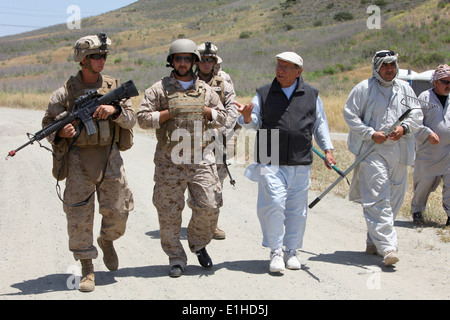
105 128
294 118
192 120
216 83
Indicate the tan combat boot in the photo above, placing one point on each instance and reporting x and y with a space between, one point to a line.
109 254
87 283
219 234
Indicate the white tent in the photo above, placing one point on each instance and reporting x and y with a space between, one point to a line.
418 81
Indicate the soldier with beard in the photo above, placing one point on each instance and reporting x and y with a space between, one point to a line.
174 106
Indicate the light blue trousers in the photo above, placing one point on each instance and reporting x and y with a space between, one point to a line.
424 186
282 205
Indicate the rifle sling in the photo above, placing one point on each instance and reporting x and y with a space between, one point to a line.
58 188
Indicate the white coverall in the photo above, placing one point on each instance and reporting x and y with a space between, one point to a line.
432 161
380 180
283 190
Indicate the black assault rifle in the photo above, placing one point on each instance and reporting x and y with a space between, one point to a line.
84 107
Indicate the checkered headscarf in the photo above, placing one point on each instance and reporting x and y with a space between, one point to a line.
384 56
442 71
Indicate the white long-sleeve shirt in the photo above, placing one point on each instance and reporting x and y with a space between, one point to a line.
371 107
320 128
433 160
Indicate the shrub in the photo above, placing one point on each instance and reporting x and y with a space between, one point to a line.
289 27
380 3
245 35
317 23
343 16
330 70
443 3
427 59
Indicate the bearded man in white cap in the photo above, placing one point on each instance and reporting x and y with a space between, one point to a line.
433 147
288 112
380 180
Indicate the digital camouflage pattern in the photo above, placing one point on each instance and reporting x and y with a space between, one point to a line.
86 163
171 179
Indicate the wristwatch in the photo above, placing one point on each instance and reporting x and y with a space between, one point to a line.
405 129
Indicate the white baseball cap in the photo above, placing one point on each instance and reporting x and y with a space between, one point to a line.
291 57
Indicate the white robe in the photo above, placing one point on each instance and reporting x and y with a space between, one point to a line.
380 180
432 161
371 107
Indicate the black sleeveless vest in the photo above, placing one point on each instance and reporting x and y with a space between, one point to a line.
294 118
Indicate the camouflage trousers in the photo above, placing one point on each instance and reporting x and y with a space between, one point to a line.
205 199
114 198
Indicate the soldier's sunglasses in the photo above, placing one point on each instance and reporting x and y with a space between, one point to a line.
207 60
179 59
98 56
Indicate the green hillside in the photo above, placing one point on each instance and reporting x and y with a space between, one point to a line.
331 36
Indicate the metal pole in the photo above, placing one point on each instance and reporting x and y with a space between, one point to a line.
335 168
359 159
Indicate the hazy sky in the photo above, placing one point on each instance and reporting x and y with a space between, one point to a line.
19 16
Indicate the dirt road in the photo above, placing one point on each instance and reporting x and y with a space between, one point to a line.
35 262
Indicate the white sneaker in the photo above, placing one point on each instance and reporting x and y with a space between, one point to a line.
276 261
291 260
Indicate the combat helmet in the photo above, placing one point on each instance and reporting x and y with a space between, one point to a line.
182 46
208 49
89 45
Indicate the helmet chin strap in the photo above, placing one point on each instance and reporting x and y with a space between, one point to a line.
88 66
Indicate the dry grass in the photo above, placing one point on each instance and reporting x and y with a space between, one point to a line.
334 106
36 101
322 178
434 214
422 14
39 101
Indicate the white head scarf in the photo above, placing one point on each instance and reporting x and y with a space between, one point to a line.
384 56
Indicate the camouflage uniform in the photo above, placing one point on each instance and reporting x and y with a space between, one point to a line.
227 96
86 162
171 179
